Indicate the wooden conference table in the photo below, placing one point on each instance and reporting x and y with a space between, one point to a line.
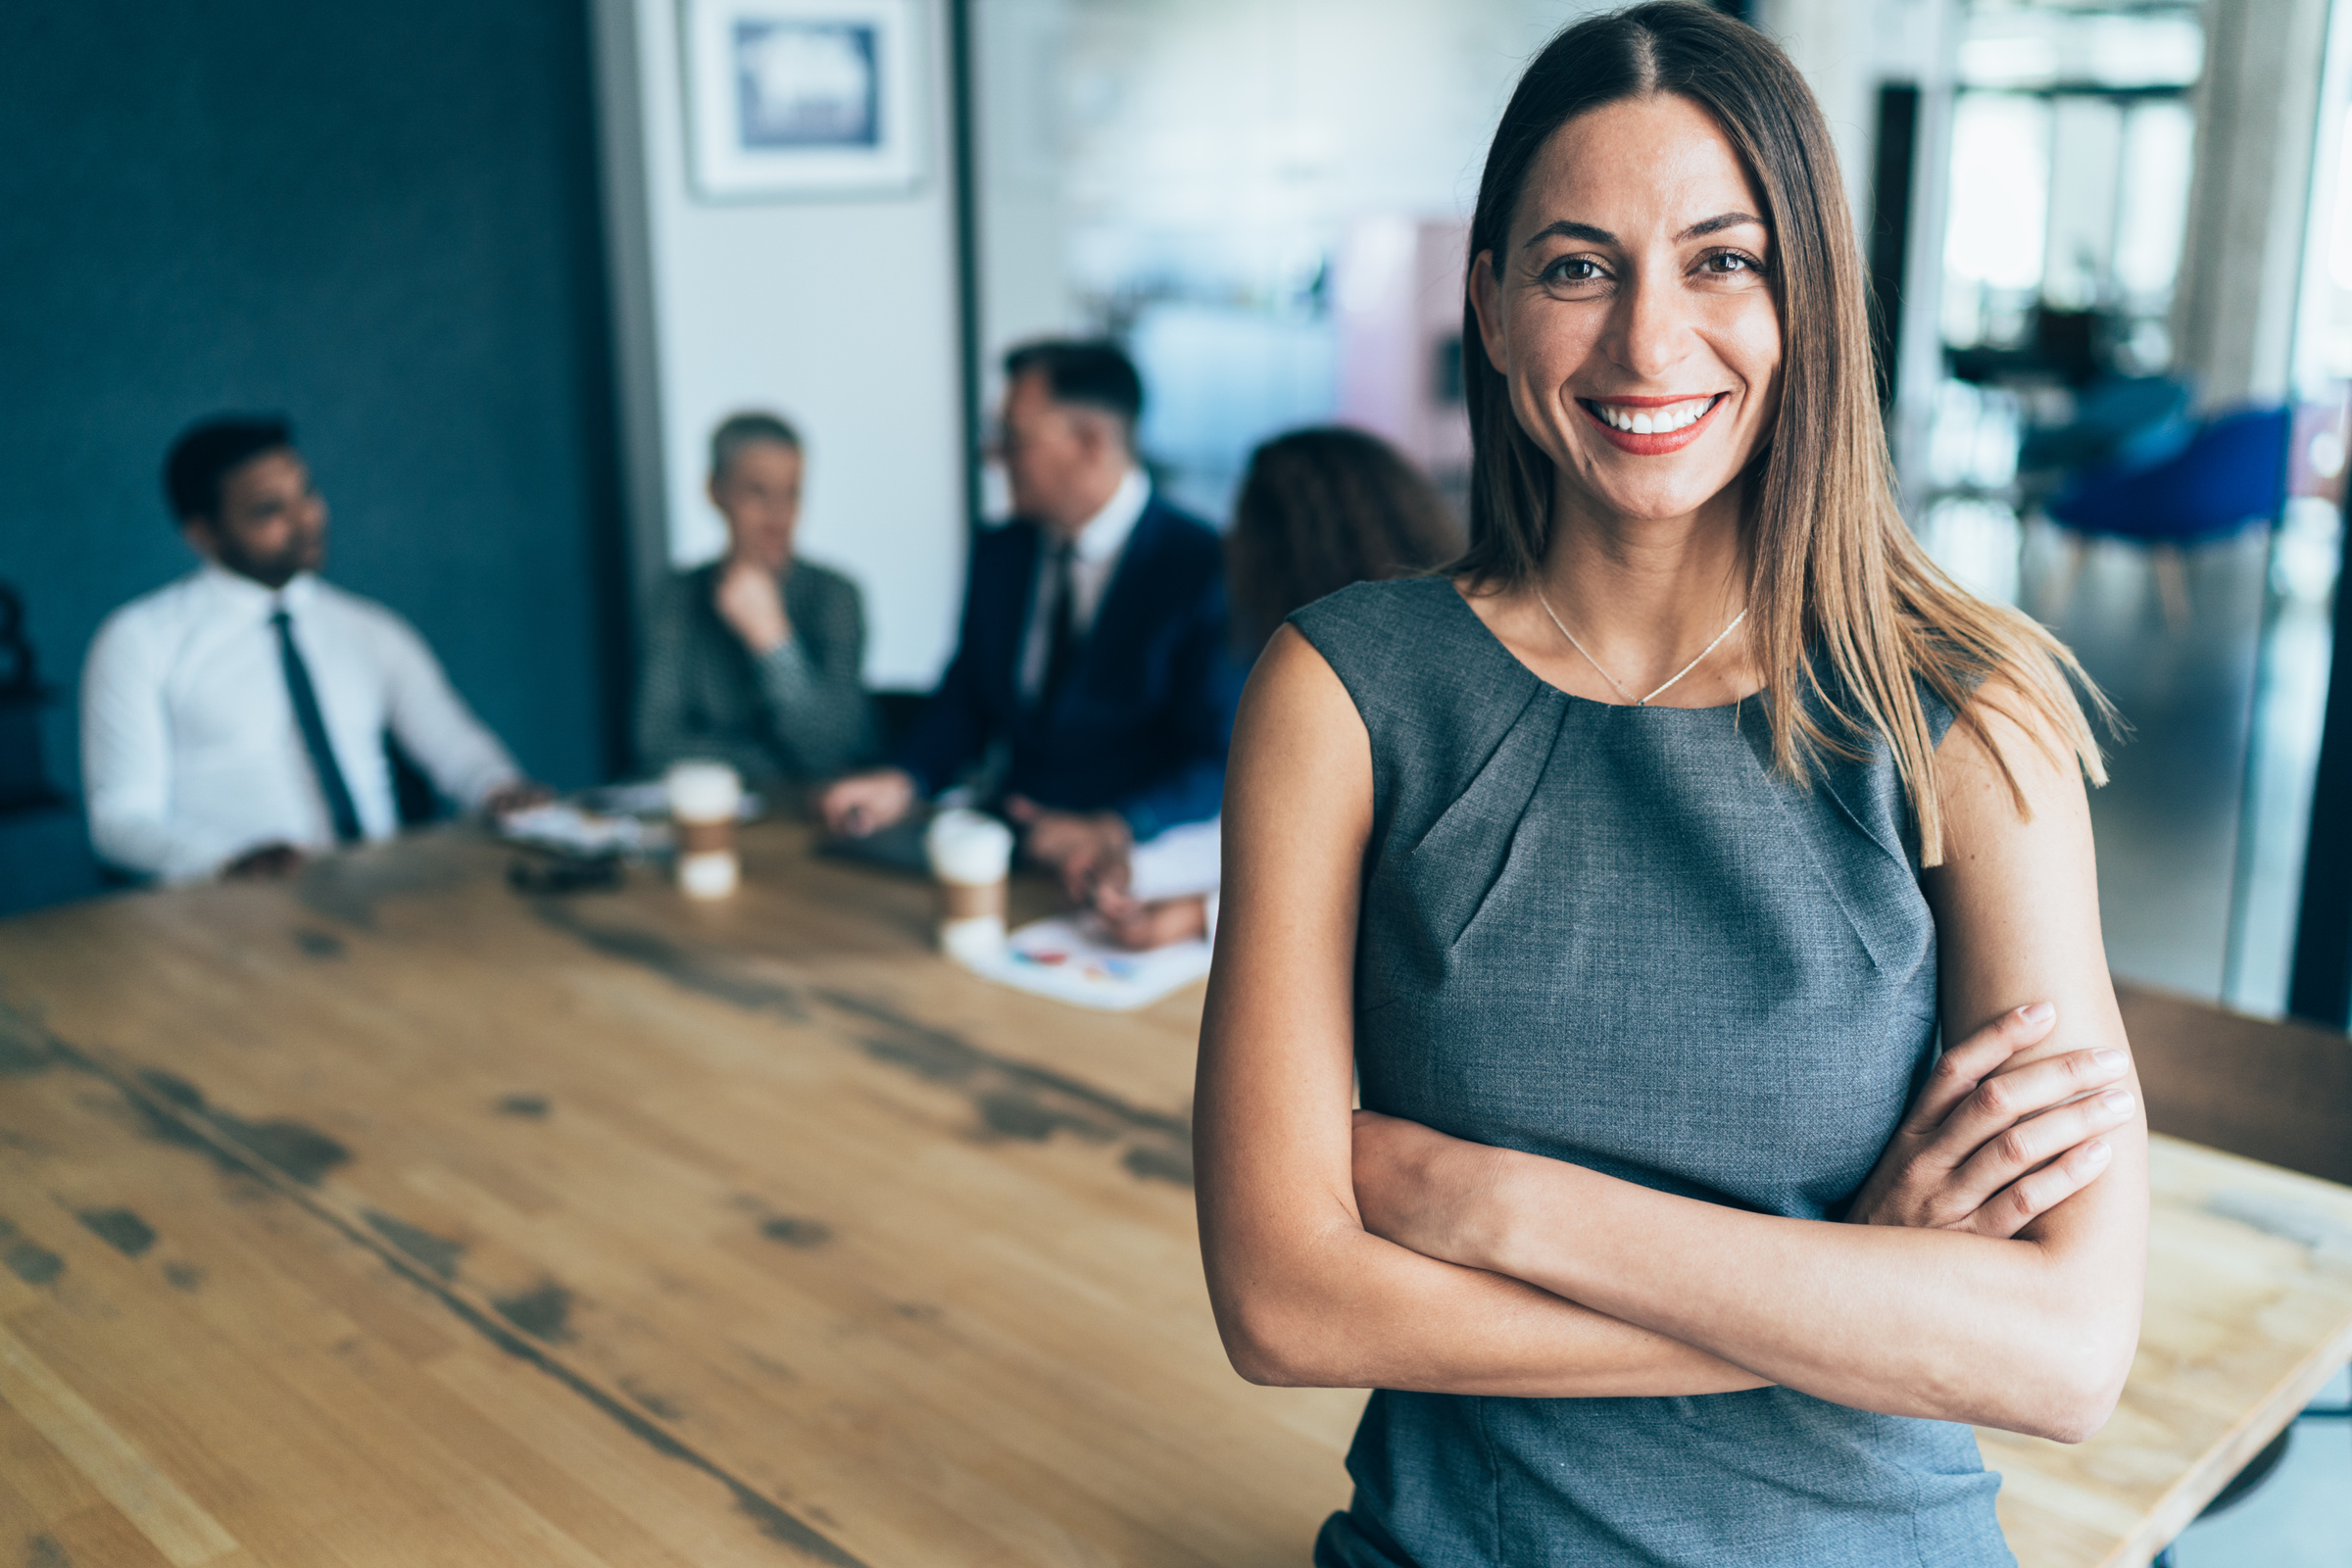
398 1218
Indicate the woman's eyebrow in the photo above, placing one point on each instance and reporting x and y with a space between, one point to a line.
1718 224
1566 230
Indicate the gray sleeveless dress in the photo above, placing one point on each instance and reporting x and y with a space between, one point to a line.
1612 935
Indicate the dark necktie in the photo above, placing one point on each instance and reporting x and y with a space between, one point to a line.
1061 635
313 733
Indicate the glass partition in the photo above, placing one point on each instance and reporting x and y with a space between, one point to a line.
1262 198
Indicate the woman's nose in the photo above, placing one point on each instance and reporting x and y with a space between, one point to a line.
1653 330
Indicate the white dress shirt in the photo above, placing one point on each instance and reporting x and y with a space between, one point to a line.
191 755
1100 544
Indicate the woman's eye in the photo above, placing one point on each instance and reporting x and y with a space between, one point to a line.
1730 264
1573 269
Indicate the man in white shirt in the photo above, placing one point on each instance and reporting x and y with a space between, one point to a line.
233 723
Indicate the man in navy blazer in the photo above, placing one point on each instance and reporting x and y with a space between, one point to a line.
1094 639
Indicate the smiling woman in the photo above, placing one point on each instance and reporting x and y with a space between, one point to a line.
1665 1229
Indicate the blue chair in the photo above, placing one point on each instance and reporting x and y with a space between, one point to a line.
2231 476
2120 422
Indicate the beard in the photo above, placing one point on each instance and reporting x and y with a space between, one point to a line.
274 568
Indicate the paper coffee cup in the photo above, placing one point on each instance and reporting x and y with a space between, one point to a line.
712 874
703 791
703 797
970 855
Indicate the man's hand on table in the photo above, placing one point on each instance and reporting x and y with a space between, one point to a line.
858 804
518 796
1137 924
1082 848
1139 927
269 862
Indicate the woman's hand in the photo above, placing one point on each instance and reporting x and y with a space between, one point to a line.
1989 1148
1140 924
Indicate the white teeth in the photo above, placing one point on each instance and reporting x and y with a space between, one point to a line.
1656 422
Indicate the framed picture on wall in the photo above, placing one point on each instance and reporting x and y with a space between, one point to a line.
803 97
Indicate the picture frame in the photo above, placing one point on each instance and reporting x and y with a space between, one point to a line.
804 98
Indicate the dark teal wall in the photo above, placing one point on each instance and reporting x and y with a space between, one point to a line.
380 219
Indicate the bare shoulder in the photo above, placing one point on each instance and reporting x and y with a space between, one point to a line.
1295 709
1299 780
2005 769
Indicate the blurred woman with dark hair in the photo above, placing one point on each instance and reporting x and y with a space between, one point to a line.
1635 869
1319 508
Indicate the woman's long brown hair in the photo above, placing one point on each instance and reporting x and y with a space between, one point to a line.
1835 567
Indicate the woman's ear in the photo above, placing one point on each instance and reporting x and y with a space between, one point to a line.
1486 301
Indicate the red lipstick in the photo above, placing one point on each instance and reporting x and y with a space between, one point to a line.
1655 444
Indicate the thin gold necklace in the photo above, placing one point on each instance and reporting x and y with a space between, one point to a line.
1639 702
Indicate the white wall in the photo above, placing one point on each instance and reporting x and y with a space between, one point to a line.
1019 53
839 313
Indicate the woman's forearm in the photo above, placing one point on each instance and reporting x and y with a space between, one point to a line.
1907 1322
1343 1309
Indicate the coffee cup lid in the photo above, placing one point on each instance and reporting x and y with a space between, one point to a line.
969 846
702 791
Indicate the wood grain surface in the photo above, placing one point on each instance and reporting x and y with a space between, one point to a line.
396 1218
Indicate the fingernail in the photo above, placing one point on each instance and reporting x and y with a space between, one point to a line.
2035 1012
2118 1100
2108 1059
2096 1152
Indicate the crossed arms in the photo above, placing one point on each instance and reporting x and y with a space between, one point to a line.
1999 1283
